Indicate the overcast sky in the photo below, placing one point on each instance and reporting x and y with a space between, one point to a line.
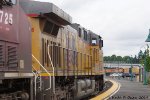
123 24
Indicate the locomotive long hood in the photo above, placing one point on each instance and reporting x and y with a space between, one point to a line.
49 10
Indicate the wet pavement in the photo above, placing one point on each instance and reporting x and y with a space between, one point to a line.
131 90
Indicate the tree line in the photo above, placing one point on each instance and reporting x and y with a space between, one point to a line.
143 58
122 59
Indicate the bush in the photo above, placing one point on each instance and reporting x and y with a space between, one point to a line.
149 80
148 64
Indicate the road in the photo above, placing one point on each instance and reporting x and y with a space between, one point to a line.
131 90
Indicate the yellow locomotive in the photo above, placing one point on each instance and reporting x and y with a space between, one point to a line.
67 59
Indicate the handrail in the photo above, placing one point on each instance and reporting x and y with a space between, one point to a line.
38 75
50 80
35 82
53 69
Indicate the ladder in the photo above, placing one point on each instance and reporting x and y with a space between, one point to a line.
49 56
38 77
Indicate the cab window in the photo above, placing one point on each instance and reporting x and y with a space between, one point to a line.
100 44
14 1
94 42
11 1
85 35
80 32
51 28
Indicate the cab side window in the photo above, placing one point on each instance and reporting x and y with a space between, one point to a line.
94 41
80 32
85 35
51 28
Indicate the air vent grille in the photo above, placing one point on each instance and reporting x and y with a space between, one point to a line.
12 57
1 56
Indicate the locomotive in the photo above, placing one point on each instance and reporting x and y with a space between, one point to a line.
15 52
54 59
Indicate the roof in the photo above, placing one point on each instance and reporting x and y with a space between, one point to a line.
37 9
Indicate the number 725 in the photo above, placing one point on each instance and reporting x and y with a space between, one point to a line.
5 17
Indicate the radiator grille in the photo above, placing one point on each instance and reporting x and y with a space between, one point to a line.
1 56
12 57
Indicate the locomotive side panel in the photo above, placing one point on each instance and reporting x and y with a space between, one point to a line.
24 35
69 65
9 38
8 24
36 42
15 36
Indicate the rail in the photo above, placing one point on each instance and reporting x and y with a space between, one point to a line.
52 68
50 80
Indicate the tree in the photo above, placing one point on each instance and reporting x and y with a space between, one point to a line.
147 66
134 59
113 57
145 59
125 59
119 58
107 58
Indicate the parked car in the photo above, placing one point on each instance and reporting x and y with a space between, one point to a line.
127 75
120 74
116 74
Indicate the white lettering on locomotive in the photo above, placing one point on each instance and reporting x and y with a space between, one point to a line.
5 17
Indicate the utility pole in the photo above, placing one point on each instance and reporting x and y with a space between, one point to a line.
131 69
118 71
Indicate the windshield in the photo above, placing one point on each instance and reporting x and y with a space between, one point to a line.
13 1
10 1
7 2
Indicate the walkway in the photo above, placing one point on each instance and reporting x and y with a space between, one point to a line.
105 95
131 90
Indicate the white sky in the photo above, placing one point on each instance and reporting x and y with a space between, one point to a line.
123 24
